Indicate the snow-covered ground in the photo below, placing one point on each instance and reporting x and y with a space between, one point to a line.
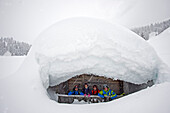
23 92
9 65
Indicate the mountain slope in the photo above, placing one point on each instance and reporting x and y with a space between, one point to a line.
161 44
23 92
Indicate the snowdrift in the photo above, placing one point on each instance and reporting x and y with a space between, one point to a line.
83 45
23 92
10 63
161 44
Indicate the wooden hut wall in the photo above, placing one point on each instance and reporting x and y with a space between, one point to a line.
65 87
129 88
117 86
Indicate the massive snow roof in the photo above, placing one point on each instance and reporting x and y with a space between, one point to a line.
84 45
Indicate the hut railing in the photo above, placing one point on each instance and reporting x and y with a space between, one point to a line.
62 98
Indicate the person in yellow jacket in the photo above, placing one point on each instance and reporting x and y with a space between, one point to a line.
107 92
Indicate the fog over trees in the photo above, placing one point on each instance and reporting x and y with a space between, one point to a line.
16 48
157 28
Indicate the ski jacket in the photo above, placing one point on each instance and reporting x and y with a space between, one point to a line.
75 93
95 92
109 92
86 91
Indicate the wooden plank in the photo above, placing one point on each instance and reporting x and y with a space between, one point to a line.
91 96
61 95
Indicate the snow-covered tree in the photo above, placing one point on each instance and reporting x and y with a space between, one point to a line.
157 28
16 48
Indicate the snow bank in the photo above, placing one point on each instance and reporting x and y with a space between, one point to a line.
9 65
84 45
161 44
23 92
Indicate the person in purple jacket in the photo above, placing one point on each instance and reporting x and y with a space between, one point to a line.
86 90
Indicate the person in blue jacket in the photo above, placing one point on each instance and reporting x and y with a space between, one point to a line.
75 91
107 92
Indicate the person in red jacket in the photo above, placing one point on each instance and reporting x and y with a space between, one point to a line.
95 90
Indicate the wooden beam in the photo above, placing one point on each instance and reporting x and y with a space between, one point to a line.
95 96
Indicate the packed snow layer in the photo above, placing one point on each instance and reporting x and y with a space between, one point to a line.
84 45
161 44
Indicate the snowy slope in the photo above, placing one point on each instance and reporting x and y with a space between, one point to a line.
161 44
9 65
23 92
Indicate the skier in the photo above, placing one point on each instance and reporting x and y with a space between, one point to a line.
86 90
107 92
75 91
95 90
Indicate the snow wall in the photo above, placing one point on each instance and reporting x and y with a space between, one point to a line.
84 45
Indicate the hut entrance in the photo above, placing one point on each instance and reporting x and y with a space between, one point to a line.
80 80
118 86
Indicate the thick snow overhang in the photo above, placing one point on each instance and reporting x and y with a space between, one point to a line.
84 45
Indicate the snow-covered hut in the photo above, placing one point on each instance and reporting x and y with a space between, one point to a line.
77 46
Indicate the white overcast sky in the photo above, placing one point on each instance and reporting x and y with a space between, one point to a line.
26 19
